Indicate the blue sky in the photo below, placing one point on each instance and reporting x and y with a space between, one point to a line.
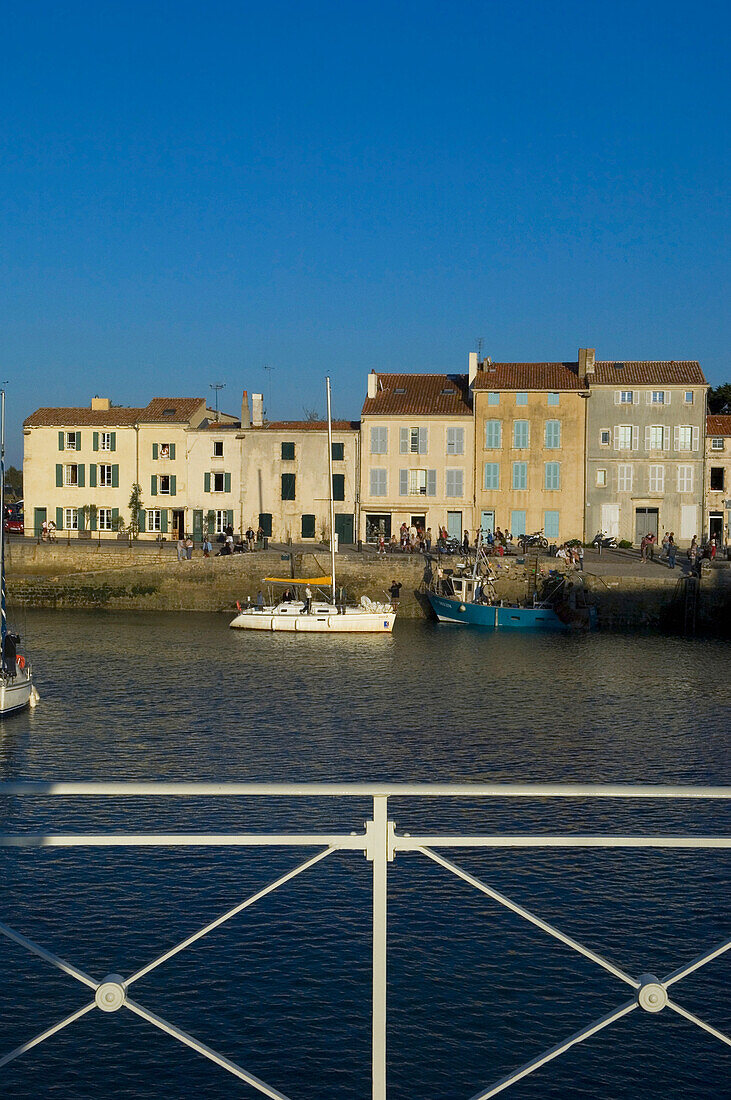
191 192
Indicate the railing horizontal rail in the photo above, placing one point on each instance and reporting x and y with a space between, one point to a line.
357 842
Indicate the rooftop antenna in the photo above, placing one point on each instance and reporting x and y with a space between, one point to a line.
217 386
480 342
268 368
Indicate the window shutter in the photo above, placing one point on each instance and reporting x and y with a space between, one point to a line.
59 475
431 483
173 482
92 516
617 397
648 433
153 485
635 437
211 523
230 518
172 450
676 437
459 483
115 518
403 482
92 475
616 437
636 397
668 395
95 441
648 397
61 446
141 520
197 523
59 518
666 438
115 477
695 439
154 452
206 483
112 441
80 475
80 519
164 521
403 444
227 483
78 441
423 440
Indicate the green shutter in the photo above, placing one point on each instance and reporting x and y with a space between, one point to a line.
60 441
198 524
80 476
80 519
113 441
308 526
59 475
95 441
154 452
141 519
227 483
78 441
164 521
92 519
172 450
230 518
115 477
153 485
173 482
59 518
206 483
211 524
115 518
92 475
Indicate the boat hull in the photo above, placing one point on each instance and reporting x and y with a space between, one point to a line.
319 621
494 617
15 693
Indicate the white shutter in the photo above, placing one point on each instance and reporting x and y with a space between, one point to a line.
423 440
695 439
616 437
648 397
431 483
676 437
403 481
648 433
617 397
668 395
666 439
403 445
636 397
459 483
635 437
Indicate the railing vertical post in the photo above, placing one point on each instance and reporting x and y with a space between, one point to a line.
380 912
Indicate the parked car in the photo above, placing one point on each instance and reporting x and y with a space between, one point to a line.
14 523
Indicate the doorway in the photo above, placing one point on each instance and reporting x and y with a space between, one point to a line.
344 528
178 523
40 515
487 523
454 525
377 525
419 522
610 520
646 523
715 527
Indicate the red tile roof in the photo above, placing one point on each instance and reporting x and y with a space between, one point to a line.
528 376
423 395
716 424
681 372
309 426
183 408
117 416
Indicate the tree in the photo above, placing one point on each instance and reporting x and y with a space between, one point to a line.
14 482
719 400
135 507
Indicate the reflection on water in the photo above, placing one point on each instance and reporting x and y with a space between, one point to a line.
284 988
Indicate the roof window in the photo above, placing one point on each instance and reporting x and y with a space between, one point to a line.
399 389
447 393
168 412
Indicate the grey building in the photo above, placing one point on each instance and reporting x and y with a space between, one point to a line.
645 432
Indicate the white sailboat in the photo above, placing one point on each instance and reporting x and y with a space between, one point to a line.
311 615
16 676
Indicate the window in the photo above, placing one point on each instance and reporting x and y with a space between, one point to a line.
601 479
654 437
413 441
72 443
105 519
221 520
288 487
624 479
105 475
552 476
287 452
308 527
70 519
717 444
688 397
658 397
605 437
163 483
626 397
552 399
338 451
265 522
684 437
656 479
493 398
492 475
218 483
338 486
521 399
520 475
153 519
623 437
379 441
378 482
165 451
717 478
521 434
71 475
455 441
105 441
218 448
454 483
417 482
550 525
553 435
493 435
685 479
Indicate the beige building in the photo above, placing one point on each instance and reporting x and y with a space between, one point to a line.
529 447
718 479
417 454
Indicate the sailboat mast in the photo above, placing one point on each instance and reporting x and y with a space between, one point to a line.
332 501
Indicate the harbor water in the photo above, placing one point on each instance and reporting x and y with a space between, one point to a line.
284 988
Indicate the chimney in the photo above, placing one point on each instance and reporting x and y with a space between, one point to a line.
257 410
372 384
587 358
100 404
245 418
473 366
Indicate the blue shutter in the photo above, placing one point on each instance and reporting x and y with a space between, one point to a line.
59 475
227 483
92 475
80 475
112 441
550 525
206 483
172 450
61 442
95 441
173 483
154 452
115 477
153 485
517 522
403 483
431 483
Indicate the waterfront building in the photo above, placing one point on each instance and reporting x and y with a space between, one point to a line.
416 455
529 447
644 447
718 479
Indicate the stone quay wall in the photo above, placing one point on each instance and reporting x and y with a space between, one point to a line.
150 578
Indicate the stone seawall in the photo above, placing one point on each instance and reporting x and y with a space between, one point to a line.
152 579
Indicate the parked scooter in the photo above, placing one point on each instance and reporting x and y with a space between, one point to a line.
449 546
606 542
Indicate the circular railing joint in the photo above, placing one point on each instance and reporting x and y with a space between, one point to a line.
111 993
652 994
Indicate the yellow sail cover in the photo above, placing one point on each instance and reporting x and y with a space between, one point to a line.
297 580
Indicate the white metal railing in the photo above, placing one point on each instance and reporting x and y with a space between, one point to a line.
379 842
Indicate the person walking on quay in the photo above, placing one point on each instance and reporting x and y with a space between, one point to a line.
672 550
189 548
206 546
395 593
651 547
382 546
427 540
466 543
250 537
